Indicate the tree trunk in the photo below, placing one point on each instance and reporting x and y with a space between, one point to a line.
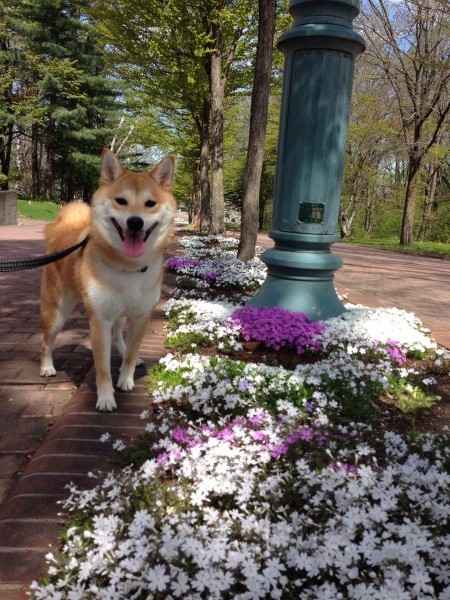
347 217
49 175
369 211
5 154
205 188
35 166
407 233
196 202
429 202
257 131
49 170
217 104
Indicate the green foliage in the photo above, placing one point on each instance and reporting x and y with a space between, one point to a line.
410 398
356 402
186 341
160 376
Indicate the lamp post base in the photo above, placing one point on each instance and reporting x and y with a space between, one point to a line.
300 278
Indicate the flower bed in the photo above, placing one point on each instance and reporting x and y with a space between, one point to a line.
211 269
257 481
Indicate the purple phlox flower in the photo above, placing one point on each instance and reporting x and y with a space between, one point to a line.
395 351
226 434
162 458
256 419
279 450
293 438
180 435
278 328
306 434
310 407
178 263
243 385
210 276
165 458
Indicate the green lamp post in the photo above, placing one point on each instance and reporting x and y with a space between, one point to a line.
320 51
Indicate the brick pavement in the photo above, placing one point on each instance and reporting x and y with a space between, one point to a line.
50 431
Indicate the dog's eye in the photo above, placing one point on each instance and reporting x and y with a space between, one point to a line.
150 203
121 201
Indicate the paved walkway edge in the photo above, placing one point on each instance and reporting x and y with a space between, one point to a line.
30 519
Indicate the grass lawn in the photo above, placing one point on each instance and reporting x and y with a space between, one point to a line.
436 249
42 211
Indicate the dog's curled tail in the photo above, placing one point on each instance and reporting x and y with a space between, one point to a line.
73 219
73 215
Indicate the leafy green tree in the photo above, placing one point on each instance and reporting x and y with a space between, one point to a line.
183 57
409 45
160 51
373 146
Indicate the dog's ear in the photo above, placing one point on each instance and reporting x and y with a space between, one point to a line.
111 168
163 172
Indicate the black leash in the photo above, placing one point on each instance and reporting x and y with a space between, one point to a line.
38 261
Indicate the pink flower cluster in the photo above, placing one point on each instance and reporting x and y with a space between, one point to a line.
301 438
395 351
278 328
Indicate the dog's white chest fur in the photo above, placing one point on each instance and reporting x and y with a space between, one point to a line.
123 293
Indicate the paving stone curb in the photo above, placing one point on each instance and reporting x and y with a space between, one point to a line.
29 519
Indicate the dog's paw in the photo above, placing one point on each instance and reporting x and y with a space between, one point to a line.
139 362
106 403
48 371
126 383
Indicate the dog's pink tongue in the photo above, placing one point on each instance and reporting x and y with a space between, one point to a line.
133 243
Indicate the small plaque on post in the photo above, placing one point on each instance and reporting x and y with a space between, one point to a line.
311 212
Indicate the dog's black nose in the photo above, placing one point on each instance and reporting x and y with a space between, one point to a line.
135 223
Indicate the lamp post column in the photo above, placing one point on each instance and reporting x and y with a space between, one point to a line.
320 51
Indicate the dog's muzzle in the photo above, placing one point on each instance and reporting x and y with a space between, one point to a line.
133 237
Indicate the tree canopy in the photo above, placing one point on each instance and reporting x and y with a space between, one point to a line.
148 79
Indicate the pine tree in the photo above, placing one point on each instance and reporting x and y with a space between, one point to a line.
75 96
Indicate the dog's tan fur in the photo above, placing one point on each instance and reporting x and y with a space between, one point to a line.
116 284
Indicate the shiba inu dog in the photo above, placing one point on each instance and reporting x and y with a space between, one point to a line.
117 274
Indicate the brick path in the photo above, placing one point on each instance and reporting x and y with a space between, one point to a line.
50 430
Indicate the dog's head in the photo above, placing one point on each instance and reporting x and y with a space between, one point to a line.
134 211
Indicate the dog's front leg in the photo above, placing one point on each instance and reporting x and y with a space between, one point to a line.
136 332
101 348
119 343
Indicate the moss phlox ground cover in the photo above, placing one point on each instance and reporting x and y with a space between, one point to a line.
255 481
